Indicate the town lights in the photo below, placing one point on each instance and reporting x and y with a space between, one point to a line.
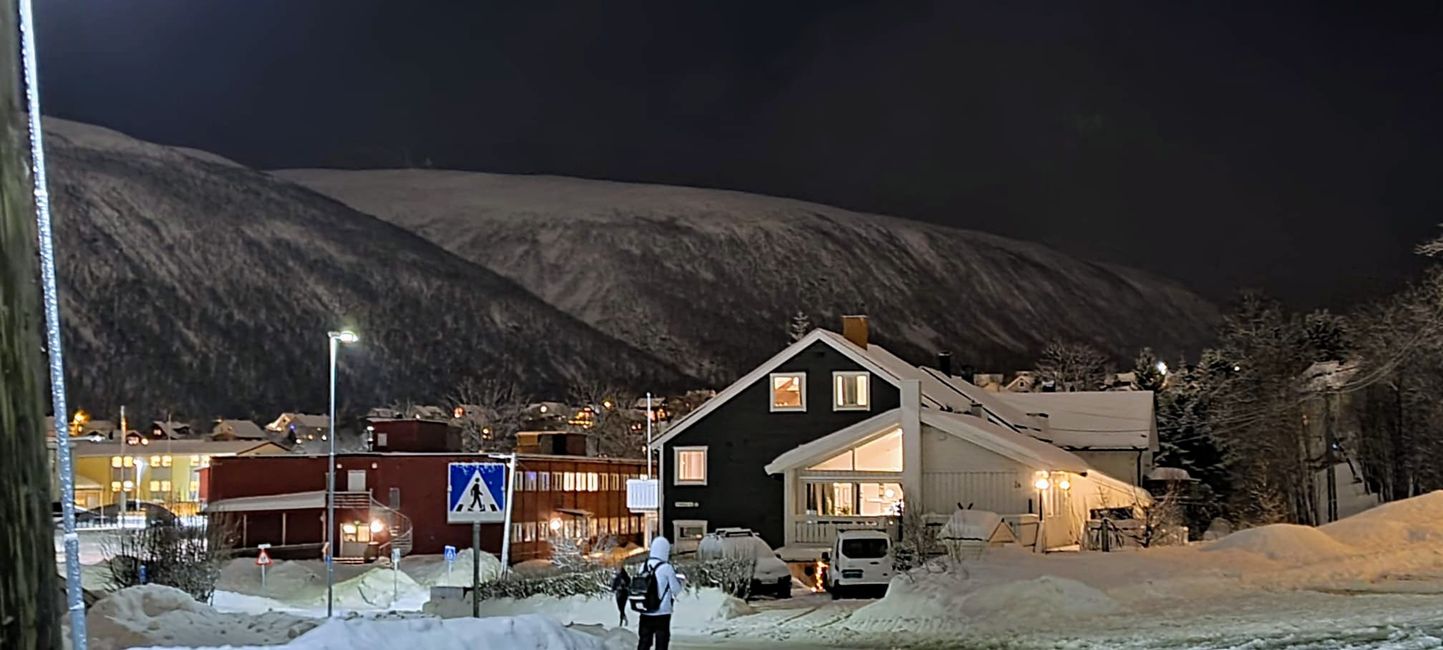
348 528
1162 367
377 526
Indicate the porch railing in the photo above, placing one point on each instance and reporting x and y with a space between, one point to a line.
822 530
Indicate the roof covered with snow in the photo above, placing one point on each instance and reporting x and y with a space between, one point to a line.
1092 420
1019 447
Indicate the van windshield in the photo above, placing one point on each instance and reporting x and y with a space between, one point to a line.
864 549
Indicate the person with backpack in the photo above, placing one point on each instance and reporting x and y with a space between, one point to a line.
621 586
652 592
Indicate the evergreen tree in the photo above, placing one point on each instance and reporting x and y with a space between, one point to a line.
799 326
1147 372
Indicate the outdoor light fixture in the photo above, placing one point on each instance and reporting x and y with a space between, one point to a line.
377 526
1042 484
1065 484
1162 367
349 529
335 339
555 524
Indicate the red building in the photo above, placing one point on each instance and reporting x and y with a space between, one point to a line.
399 498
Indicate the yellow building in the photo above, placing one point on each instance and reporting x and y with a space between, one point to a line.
167 472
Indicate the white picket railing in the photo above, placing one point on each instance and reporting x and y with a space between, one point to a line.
822 530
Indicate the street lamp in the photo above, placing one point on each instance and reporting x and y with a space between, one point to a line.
335 339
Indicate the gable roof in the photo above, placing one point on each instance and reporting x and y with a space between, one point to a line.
1000 440
1093 419
833 443
831 339
1008 443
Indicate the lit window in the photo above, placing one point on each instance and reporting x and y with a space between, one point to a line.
128 461
545 481
689 528
530 482
593 483
155 486
166 461
155 461
789 391
690 466
568 481
194 460
850 391
115 486
165 486
883 454
115 461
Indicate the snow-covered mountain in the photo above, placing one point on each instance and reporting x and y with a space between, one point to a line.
194 284
709 278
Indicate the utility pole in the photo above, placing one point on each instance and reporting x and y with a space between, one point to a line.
28 585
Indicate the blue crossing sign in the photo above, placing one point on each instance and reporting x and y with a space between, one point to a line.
450 553
476 493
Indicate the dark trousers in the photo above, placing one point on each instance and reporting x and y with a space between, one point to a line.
658 627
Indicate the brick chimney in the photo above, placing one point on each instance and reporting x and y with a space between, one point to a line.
854 328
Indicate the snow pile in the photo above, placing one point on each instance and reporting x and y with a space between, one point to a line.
430 570
1287 543
285 580
694 610
379 588
923 603
1055 596
1388 526
513 633
158 615
970 525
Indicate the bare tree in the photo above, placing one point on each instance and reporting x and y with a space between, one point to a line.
618 428
489 413
1072 366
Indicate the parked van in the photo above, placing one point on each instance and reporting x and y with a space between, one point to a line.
771 575
859 559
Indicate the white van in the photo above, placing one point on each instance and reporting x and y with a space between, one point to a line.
859 559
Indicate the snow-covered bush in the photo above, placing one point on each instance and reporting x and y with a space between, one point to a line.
731 574
189 558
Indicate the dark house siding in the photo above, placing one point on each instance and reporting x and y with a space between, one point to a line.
743 435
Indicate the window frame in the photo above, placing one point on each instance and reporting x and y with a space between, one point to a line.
676 452
678 524
837 404
801 377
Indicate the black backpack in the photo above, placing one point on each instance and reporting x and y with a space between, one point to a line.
644 593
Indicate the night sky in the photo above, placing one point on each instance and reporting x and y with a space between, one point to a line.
1295 148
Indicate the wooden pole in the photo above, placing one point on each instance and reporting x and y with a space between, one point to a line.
30 597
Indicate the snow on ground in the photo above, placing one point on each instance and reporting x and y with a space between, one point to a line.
514 633
696 610
158 615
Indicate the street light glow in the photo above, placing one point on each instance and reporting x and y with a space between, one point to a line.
1162 367
345 336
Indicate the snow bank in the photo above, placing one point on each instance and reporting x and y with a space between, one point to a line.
300 586
693 611
1411 521
1287 543
925 604
430 570
513 633
379 588
158 615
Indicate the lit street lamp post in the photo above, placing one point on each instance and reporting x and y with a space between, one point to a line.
335 339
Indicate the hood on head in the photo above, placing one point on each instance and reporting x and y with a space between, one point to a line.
660 549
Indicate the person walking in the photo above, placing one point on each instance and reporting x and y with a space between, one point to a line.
656 623
621 585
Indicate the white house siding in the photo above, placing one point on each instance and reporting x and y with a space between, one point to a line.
956 471
1119 464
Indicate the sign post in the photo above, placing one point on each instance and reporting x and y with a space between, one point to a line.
263 560
395 574
478 493
450 560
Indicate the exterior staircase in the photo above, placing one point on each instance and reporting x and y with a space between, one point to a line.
400 525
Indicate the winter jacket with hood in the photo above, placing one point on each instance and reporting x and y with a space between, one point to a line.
667 584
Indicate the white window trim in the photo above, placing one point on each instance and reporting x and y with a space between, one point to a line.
837 396
772 387
678 524
676 463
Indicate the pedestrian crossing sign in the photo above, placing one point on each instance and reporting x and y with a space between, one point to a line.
476 493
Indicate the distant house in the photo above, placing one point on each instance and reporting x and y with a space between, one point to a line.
835 432
300 427
169 430
237 430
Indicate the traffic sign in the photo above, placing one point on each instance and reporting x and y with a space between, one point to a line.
450 553
263 559
476 493
395 556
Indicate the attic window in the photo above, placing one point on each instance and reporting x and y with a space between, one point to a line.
851 391
789 391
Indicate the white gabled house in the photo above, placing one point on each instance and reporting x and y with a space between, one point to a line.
835 432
